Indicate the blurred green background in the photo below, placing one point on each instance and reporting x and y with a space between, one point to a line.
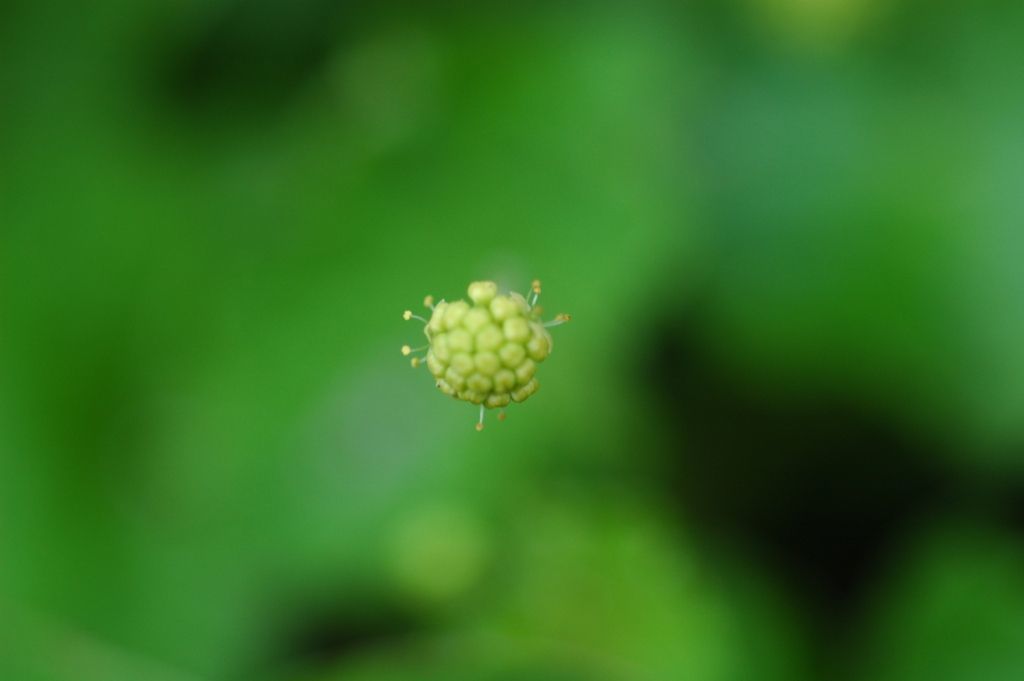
783 438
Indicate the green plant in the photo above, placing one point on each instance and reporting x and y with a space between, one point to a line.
485 351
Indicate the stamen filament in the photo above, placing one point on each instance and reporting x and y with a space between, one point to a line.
558 320
535 292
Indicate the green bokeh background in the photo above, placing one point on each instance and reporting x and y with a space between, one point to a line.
215 464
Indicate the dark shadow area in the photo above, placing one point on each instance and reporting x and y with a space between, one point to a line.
253 55
815 484
316 633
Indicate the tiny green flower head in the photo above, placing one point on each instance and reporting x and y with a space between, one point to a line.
485 351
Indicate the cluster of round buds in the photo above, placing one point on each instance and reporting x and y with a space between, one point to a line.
485 351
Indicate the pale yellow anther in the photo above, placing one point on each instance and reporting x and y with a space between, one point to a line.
560 318
407 315
416 361
479 427
428 301
536 286
406 350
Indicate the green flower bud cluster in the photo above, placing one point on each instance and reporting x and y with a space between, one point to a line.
486 351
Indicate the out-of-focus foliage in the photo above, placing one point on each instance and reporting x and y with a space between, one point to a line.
789 235
954 611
